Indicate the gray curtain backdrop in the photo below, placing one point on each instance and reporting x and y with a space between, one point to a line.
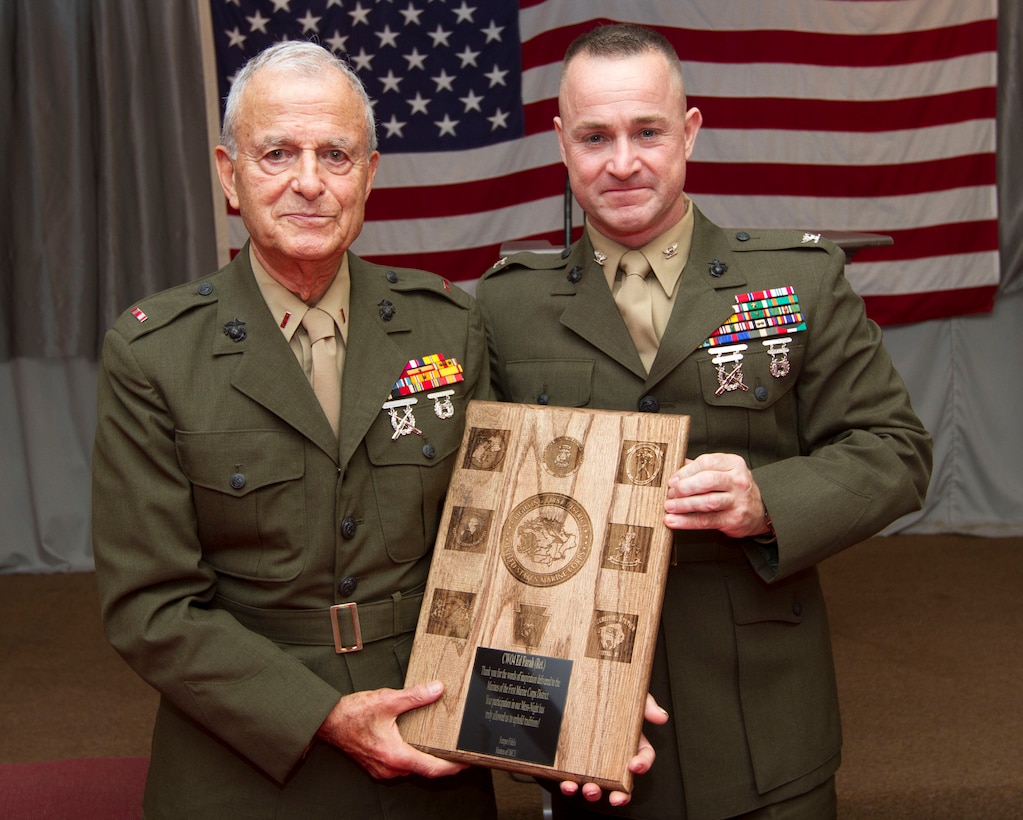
106 173
105 166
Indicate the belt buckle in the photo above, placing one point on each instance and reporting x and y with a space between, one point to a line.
339 647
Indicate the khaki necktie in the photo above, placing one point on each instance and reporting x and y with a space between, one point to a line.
634 303
325 377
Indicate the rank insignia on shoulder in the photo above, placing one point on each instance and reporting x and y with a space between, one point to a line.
138 314
427 373
760 314
811 237
499 262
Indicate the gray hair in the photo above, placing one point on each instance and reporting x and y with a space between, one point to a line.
307 59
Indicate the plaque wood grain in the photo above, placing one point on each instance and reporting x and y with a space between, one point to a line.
551 548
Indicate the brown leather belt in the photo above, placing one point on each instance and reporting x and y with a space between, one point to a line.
346 627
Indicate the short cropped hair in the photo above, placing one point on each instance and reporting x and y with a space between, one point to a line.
623 40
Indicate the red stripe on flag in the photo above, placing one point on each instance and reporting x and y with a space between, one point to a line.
922 307
763 179
463 264
869 116
468 197
774 113
936 240
809 48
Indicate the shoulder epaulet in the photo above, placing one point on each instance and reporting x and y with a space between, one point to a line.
531 260
160 309
772 240
410 279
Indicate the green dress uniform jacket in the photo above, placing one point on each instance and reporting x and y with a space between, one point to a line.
744 663
227 519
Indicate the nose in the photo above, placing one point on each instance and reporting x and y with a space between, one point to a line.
308 176
624 160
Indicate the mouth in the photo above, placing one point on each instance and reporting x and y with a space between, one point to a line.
625 193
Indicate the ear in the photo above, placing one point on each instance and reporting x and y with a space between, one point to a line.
374 162
225 172
559 129
694 119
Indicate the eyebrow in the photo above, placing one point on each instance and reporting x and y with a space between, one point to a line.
277 141
601 125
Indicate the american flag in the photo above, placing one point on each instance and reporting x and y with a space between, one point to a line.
841 115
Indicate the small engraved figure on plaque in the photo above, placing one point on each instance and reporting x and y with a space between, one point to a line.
469 529
627 547
486 449
612 636
530 624
641 462
451 613
562 456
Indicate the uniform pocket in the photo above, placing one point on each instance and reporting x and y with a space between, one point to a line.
249 500
410 473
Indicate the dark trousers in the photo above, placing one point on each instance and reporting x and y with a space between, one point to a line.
817 804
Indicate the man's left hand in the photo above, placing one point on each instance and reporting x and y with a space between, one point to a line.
715 491
640 764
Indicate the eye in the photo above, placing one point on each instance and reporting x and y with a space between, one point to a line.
336 160
275 160
276 157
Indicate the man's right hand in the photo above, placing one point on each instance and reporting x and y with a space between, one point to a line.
364 725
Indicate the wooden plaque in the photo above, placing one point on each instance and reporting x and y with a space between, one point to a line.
544 597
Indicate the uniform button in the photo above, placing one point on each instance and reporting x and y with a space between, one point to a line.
429 450
392 277
761 393
742 236
348 527
205 288
237 481
347 586
567 252
543 398
575 274
648 404
797 609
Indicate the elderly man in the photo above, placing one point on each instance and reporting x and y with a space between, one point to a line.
267 492
802 438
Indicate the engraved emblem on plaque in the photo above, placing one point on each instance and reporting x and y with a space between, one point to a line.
641 462
546 539
627 547
530 624
562 456
612 636
469 529
486 449
451 613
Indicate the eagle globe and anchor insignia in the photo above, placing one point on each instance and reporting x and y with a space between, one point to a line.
546 539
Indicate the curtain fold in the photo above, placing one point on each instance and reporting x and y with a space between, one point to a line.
1010 158
106 166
